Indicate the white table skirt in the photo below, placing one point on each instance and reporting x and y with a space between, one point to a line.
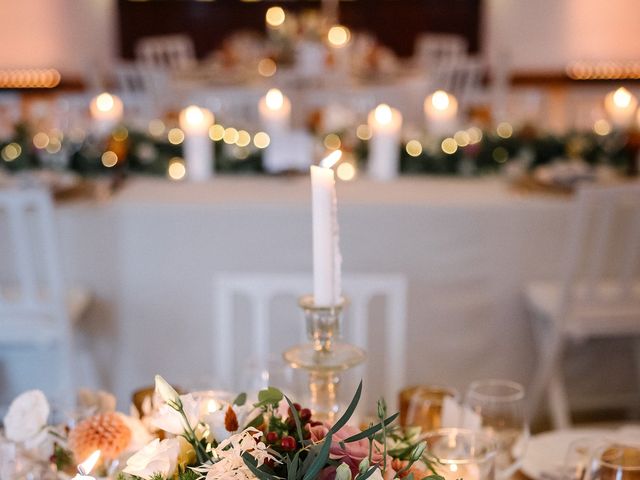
466 246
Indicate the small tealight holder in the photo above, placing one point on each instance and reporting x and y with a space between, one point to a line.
422 405
462 453
325 357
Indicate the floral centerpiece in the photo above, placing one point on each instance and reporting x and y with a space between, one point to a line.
192 436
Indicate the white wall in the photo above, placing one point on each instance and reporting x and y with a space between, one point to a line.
72 35
545 35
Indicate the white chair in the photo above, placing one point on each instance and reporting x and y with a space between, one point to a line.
434 49
170 52
463 78
143 89
261 290
598 294
35 310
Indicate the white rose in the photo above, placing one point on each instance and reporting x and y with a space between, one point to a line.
27 416
157 457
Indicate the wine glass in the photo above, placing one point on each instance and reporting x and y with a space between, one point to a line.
500 407
614 462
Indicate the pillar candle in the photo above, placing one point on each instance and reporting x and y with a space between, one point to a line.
327 261
197 146
275 112
106 112
385 124
441 112
621 107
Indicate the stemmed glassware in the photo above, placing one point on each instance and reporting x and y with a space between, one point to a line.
614 462
500 405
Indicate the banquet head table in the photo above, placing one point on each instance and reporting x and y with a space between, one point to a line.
466 247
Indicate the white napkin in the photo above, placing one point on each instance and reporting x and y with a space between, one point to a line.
456 415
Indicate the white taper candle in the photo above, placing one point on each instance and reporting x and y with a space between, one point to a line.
327 261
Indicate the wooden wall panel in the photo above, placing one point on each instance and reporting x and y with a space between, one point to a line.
395 22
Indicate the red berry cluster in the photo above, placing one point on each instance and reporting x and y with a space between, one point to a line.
281 434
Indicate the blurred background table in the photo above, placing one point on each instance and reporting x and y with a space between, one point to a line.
466 246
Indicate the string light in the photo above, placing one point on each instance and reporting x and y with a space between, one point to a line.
363 132
582 70
504 130
11 152
175 136
267 67
261 140
244 138
338 36
449 146
109 159
414 148
176 170
332 141
462 138
216 132
29 78
346 171
275 16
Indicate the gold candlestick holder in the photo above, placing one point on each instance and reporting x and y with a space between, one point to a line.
325 357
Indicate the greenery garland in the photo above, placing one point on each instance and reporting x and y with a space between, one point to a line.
142 153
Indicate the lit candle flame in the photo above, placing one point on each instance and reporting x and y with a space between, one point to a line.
85 467
105 102
383 114
212 405
622 97
193 115
440 100
331 159
274 99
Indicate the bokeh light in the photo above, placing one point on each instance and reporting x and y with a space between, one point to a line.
414 148
346 171
267 67
275 16
176 170
216 132
109 159
261 140
332 141
338 36
449 146
175 136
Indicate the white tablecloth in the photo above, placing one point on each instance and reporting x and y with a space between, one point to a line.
467 246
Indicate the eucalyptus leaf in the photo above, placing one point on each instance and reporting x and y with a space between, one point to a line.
296 418
292 469
371 430
366 475
251 462
240 400
342 421
320 461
